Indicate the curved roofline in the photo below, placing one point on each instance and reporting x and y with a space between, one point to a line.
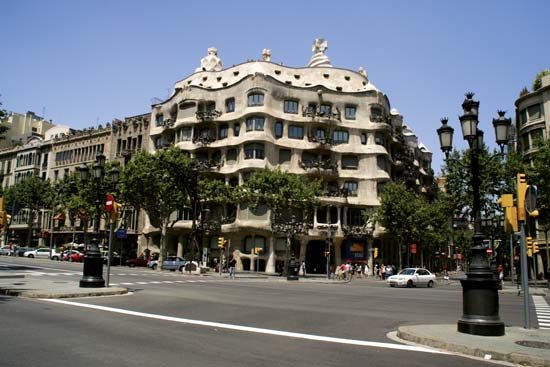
531 94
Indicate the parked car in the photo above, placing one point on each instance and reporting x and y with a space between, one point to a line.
21 250
412 277
174 263
68 255
140 261
6 251
43 253
153 264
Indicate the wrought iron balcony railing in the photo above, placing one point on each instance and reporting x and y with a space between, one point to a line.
208 115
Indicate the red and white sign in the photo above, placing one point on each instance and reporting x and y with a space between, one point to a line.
109 202
413 248
489 251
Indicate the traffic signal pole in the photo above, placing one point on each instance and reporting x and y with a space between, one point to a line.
524 276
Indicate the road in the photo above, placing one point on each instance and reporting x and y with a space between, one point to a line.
175 319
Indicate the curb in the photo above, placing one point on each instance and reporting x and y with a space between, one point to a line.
41 294
514 357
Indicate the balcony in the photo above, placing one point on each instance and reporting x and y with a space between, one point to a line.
325 165
208 115
204 139
324 142
337 192
209 164
322 114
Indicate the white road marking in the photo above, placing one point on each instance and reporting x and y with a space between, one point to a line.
142 282
154 282
543 312
126 283
250 329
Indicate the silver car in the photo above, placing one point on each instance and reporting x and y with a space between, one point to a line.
412 277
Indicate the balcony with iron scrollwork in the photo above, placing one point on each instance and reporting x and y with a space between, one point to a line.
204 139
336 192
168 124
322 165
320 114
324 142
208 115
209 164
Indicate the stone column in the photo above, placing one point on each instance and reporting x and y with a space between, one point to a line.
370 256
337 243
180 246
270 264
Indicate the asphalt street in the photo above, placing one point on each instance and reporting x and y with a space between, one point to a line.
173 318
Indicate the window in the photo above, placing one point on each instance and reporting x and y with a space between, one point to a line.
525 142
236 129
255 123
159 119
380 187
255 99
340 136
376 114
295 132
254 242
351 187
184 134
364 138
278 129
534 112
382 162
355 217
537 135
350 112
379 139
230 105
320 133
222 133
231 156
523 116
291 106
284 156
311 108
325 110
254 151
350 162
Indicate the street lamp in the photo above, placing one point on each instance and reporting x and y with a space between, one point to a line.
92 276
480 288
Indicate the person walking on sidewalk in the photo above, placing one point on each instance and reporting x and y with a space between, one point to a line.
232 265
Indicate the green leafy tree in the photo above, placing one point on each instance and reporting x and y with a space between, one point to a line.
159 184
3 127
33 194
290 197
537 82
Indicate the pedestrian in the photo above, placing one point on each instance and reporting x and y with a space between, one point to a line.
366 271
389 271
360 270
383 272
232 264
376 271
303 268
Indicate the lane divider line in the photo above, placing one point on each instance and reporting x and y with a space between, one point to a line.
250 329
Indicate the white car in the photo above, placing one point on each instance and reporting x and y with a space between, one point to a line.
43 253
412 277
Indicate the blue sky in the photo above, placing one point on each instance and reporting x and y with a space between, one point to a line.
88 61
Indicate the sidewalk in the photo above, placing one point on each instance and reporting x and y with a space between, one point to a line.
520 346
33 287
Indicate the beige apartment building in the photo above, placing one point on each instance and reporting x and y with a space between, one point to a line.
318 120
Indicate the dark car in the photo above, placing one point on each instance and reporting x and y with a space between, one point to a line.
21 250
140 261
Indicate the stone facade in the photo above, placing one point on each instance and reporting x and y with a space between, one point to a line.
318 120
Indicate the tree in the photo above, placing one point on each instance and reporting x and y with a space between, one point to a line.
3 127
159 184
33 194
537 82
290 197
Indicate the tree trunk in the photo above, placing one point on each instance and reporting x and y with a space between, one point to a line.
29 227
163 243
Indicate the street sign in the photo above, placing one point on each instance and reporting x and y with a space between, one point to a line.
489 251
121 233
413 248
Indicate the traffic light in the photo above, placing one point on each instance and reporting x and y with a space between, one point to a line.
376 252
327 252
222 242
529 246
535 247
521 187
115 212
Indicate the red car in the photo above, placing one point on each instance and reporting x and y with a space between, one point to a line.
73 256
140 261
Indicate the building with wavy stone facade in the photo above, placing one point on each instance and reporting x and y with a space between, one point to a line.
317 120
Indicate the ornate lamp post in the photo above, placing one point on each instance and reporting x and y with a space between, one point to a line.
290 228
480 288
92 276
